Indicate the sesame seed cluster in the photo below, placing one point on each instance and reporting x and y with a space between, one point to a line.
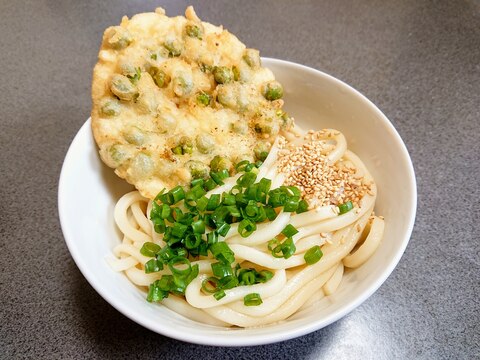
322 183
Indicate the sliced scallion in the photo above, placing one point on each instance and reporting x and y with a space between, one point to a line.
346 207
149 249
313 255
252 299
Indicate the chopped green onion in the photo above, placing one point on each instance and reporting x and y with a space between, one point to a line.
165 211
153 265
222 252
192 275
166 253
159 226
246 179
270 213
302 207
219 215
181 252
241 199
221 270
210 184
246 228
203 249
264 276
289 230
155 294
237 189
223 229
172 265
277 251
228 199
166 198
213 202
202 203
149 249
313 255
212 237
228 282
291 204
193 241
248 278
265 184
177 193
249 167
179 229
272 244
252 299
219 294
241 165
215 176
195 193
233 210
344 208
288 248
196 182
165 282
210 285
158 197
291 190
198 227
276 198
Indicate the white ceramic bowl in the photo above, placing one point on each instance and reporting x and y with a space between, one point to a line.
88 191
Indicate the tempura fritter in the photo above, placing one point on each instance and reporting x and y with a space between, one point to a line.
175 98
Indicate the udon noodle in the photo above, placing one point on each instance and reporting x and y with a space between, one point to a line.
346 240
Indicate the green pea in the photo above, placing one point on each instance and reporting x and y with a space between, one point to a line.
252 58
159 76
174 47
118 154
240 127
160 53
197 169
135 136
177 150
261 150
267 127
205 143
226 96
165 122
136 76
142 165
272 90
203 99
205 68
194 31
222 74
111 108
185 146
182 85
220 163
236 73
123 88
286 121
119 38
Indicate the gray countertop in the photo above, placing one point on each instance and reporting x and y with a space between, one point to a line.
417 60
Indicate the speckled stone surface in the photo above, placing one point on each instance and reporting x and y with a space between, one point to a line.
419 61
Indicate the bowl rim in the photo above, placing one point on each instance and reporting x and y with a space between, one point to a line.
283 334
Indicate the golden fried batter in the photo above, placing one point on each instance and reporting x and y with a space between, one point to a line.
175 97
